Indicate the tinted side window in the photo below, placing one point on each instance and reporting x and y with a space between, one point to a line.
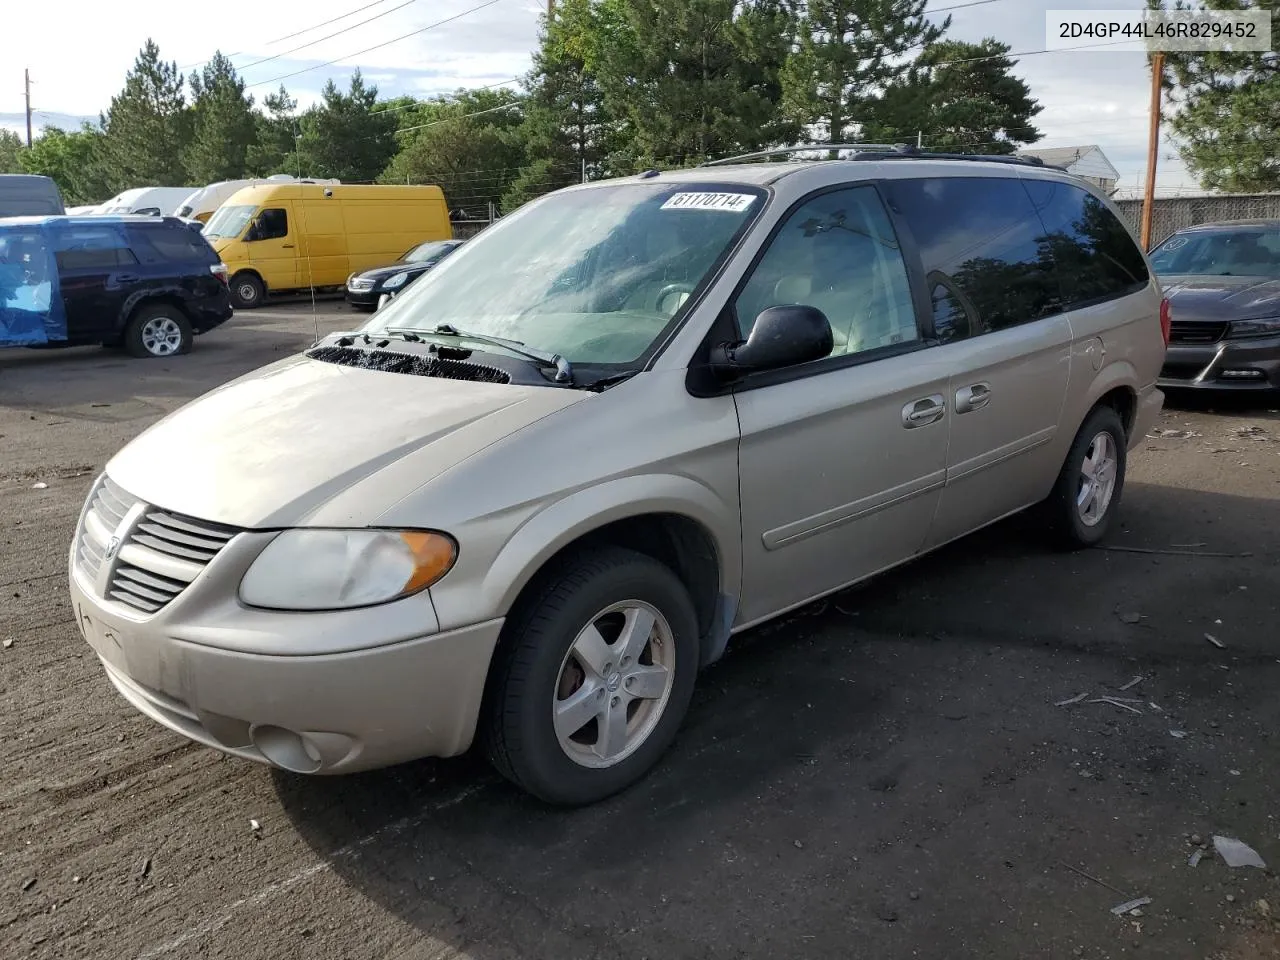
837 252
982 236
170 244
1093 254
93 248
273 224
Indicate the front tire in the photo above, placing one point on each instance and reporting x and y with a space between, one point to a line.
595 679
157 331
247 291
1087 494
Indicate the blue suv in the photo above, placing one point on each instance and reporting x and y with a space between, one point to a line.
147 284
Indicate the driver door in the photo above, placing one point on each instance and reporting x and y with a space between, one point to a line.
841 461
273 246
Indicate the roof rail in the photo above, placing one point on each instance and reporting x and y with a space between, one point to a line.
801 148
879 151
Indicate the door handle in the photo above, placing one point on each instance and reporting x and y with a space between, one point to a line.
286 246
973 397
126 278
922 412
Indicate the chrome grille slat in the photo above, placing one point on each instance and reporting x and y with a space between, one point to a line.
162 554
135 589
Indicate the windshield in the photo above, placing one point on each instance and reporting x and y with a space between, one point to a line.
1253 252
229 222
423 252
595 275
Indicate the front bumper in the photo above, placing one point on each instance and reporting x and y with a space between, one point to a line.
385 693
1246 364
364 298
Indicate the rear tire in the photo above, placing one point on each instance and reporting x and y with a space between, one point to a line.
594 677
157 331
1087 495
247 291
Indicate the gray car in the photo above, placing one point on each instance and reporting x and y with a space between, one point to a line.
541 490
1223 285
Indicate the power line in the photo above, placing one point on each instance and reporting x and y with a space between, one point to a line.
377 46
428 103
329 36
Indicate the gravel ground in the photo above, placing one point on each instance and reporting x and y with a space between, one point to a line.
884 774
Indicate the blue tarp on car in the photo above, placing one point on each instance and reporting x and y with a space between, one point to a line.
31 311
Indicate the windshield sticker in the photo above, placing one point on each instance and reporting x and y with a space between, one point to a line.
1176 243
729 202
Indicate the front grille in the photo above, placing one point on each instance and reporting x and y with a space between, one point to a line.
1186 331
160 553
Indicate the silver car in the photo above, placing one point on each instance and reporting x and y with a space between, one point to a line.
537 493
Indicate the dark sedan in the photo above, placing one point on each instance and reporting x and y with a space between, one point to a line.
1223 285
366 289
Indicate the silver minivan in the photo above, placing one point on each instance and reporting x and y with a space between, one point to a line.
537 493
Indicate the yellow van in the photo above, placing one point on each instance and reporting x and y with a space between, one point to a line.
288 237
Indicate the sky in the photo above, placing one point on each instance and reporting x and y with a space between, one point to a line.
1089 96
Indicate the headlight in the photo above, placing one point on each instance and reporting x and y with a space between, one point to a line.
339 569
396 281
1255 328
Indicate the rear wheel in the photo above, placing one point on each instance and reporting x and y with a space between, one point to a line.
247 291
596 678
1088 490
159 330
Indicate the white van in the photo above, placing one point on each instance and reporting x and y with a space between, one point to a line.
147 201
204 202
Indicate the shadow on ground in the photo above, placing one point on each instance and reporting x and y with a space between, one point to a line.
886 774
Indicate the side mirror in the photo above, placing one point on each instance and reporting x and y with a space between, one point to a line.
781 337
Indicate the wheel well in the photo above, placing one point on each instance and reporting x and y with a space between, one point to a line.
681 544
1124 402
145 302
251 272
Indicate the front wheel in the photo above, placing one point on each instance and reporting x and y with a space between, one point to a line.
596 678
158 331
1088 490
247 291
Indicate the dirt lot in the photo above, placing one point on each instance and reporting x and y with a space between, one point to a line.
882 775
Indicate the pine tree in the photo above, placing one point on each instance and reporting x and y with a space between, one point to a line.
223 123
344 136
848 51
10 147
676 74
961 98
275 138
147 127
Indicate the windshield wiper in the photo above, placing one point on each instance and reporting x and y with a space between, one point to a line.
564 372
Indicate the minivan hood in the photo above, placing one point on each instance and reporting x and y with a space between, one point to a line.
269 449
1221 298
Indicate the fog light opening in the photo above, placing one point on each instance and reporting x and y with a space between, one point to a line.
287 749
1241 375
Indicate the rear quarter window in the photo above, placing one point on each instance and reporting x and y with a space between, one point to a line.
1095 258
171 244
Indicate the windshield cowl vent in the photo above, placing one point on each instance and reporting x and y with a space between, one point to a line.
389 361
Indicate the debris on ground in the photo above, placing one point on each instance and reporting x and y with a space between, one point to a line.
1178 734
1089 876
8 642
1131 684
145 870
76 879
1237 854
1121 909
1195 859
1172 435
28 884
1215 641
1251 432
255 826
1263 908
1131 617
1117 702
40 486
1076 699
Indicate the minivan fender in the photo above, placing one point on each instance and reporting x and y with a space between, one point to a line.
570 519
1119 374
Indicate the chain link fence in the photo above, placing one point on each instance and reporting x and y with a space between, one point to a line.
1171 214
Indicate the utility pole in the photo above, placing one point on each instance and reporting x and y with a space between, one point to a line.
1153 147
551 9
26 78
